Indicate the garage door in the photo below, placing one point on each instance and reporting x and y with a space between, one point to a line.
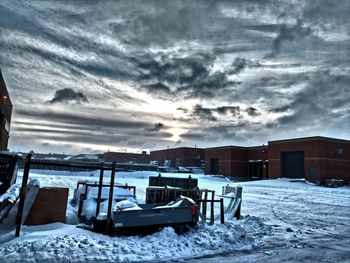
292 164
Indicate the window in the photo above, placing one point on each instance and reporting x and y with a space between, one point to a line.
340 150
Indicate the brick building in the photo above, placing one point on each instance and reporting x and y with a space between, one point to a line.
314 158
120 157
238 162
5 115
175 157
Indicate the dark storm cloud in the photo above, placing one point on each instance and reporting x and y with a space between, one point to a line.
325 101
216 133
68 95
79 132
157 127
188 75
162 22
204 113
289 33
115 139
234 110
208 113
283 56
80 120
252 111
238 65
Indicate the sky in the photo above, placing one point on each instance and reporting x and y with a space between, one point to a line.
97 76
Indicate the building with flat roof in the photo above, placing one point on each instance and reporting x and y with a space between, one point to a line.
182 156
121 157
313 158
5 115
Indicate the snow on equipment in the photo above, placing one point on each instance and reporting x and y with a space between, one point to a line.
112 208
8 171
234 194
148 218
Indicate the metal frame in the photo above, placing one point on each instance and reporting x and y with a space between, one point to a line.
29 161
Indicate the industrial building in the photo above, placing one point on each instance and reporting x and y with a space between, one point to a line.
238 162
121 157
5 115
313 158
182 156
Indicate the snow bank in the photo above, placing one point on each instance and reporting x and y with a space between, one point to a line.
63 243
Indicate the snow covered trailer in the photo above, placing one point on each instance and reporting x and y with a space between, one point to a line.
149 218
152 217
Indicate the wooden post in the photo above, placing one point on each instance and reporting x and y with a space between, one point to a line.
100 182
222 212
212 208
110 199
23 194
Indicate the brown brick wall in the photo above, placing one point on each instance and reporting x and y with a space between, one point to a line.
223 154
309 147
127 157
320 153
233 160
186 156
5 113
49 207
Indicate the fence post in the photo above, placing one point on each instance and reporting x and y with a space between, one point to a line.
212 208
205 204
23 194
110 199
99 191
222 212
239 191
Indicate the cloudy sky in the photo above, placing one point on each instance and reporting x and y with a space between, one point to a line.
92 76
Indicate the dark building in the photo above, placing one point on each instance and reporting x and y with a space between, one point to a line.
5 115
238 162
120 157
175 157
314 158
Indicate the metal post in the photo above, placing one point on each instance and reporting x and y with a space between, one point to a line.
222 213
22 195
205 204
239 191
99 191
212 208
110 199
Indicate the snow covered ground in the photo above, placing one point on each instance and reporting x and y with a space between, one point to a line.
283 220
